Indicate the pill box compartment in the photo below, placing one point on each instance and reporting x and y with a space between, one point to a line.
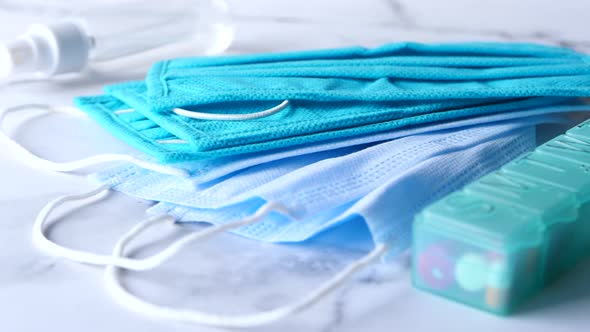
502 238
474 248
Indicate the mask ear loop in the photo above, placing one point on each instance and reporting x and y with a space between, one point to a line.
118 260
45 164
231 117
134 303
47 245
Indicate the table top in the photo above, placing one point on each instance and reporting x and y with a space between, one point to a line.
41 292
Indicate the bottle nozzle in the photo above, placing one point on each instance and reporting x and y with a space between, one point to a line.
17 56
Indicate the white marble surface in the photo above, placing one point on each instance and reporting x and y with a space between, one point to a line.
228 274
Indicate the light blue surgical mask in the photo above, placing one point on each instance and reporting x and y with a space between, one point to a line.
318 201
331 182
138 182
387 209
487 144
485 151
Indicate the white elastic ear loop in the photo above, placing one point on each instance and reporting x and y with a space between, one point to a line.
134 303
45 164
231 117
47 245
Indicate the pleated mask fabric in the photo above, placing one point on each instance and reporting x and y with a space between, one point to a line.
383 208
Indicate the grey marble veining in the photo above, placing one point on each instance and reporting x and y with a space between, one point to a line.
230 274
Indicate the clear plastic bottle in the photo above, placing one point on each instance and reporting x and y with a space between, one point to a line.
102 31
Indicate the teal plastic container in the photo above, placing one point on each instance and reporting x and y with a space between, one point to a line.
501 239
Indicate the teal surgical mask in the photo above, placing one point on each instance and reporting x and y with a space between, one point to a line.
228 106
410 64
305 122
160 145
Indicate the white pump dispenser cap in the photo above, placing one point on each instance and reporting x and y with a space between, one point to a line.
49 49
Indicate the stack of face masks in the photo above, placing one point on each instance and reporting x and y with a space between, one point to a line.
282 147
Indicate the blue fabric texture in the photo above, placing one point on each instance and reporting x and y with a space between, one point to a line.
333 94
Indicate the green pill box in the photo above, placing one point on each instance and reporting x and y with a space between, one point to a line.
501 239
